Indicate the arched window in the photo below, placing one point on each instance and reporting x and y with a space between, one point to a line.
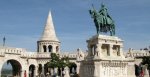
50 48
57 48
44 48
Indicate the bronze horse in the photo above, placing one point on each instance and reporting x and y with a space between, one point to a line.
103 21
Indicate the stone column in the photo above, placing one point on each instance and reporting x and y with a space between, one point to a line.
130 69
52 71
78 68
47 49
121 50
146 74
22 73
55 70
66 70
99 50
54 48
1 65
39 47
89 50
43 69
110 52
35 71
93 50
96 70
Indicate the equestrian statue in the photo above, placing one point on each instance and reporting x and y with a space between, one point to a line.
102 20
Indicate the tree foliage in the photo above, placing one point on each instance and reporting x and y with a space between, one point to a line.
56 61
146 60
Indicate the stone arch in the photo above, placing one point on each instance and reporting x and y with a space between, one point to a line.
73 67
16 66
50 48
44 48
32 70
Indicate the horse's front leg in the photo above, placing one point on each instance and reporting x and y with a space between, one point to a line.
112 32
97 27
97 30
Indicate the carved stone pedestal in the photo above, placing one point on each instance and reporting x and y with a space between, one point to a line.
105 58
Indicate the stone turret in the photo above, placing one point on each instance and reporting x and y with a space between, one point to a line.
49 41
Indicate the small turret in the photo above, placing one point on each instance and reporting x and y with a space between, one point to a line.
49 41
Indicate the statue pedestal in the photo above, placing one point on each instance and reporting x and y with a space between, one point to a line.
105 47
105 58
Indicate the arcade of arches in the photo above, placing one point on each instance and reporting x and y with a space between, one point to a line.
32 70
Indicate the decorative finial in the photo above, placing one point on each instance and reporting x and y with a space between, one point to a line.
4 39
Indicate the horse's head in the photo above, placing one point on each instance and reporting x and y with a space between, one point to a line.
93 13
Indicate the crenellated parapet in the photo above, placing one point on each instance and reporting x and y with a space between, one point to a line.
43 55
11 50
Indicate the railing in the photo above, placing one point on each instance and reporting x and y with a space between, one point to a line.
68 54
43 55
138 53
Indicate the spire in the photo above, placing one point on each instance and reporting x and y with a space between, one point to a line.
49 30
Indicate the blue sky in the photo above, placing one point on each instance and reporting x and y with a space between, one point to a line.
22 22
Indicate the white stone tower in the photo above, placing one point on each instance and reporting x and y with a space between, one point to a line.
49 41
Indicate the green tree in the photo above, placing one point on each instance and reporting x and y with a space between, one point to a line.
146 61
57 62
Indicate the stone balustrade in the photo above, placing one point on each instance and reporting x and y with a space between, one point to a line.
67 54
29 55
43 55
137 53
35 55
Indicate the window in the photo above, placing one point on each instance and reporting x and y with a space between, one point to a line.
44 48
50 48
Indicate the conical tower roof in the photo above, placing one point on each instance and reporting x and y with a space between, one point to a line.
49 30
